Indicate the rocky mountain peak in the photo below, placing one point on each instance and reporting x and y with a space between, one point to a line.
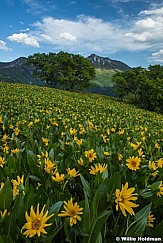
107 63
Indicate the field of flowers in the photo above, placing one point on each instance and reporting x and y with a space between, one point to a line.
77 167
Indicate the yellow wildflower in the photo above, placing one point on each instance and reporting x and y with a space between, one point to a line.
123 199
120 157
152 165
72 172
73 131
105 139
16 184
6 149
4 138
80 161
113 129
36 120
133 163
58 177
15 151
1 185
157 146
97 168
151 219
4 213
90 125
160 192
82 130
2 161
30 124
11 126
36 222
140 152
71 210
90 154
135 146
45 141
106 153
16 131
160 163
121 131
49 165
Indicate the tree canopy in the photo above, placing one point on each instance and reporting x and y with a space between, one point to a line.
65 70
143 86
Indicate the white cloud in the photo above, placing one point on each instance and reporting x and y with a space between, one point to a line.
139 37
158 11
25 39
67 36
148 30
3 46
88 34
157 56
145 23
85 33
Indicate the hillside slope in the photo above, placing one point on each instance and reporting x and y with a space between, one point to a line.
17 72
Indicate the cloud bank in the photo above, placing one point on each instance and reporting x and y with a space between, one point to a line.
88 34
25 39
3 46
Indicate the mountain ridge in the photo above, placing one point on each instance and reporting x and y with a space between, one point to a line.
16 71
107 63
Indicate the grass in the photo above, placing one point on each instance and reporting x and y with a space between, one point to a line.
104 77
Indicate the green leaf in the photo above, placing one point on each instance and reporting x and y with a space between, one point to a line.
55 208
104 192
158 201
6 195
1 239
96 226
86 216
155 185
29 197
53 234
86 187
6 239
114 183
51 154
19 208
140 221
145 193
9 228
158 232
33 164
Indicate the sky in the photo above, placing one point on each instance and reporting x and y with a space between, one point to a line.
130 31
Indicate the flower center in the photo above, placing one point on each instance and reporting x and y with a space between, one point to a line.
72 213
36 224
133 163
120 199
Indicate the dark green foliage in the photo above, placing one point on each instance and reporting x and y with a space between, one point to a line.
65 70
143 87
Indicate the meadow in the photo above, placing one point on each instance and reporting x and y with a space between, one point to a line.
77 167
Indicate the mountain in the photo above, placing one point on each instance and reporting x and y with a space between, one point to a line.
17 72
107 63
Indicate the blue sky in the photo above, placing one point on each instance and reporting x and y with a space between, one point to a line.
127 30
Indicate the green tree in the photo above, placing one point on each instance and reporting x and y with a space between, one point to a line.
143 87
65 70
